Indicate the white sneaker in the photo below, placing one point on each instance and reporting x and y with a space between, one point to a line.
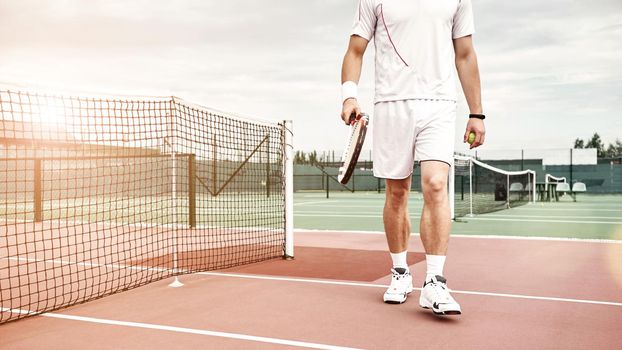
435 295
401 285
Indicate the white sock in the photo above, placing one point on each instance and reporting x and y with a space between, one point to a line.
399 259
435 265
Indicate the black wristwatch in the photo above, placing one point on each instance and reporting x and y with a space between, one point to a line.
478 116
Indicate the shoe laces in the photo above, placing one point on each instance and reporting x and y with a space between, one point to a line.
440 289
396 276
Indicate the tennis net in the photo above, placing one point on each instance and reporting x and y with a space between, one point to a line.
480 188
99 196
552 180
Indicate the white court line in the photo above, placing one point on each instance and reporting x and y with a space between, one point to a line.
379 204
327 206
572 217
524 238
563 209
508 216
478 218
324 202
357 284
237 336
345 215
419 202
370 285
481 218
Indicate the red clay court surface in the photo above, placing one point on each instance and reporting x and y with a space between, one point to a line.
515 294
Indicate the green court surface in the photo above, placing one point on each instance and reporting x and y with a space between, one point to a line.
591 217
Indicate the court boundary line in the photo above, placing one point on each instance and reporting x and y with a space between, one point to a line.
306 203
487 215
514 209
228 335
476 218
524 208
330 282
270 340
524 238
555 217
372 285
481 218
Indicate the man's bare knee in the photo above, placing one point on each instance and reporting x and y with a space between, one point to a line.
435 188
397 192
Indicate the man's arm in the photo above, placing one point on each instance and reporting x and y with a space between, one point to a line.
468 72
351 71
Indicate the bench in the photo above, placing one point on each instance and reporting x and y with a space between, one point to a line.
564 188
517 187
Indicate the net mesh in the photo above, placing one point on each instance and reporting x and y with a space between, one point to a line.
100 196
480 188
552 180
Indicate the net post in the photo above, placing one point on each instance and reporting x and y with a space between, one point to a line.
533 188
522 159
171 136
324 181
327 186
214 165
192 204
507 190
571 167
546 182
451 183
38 190
289 188
268 166
470 187
461 187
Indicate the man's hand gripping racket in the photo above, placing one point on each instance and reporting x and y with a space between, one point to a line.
353 146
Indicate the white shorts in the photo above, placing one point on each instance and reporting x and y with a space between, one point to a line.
412 130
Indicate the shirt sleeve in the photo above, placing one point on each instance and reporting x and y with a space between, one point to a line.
364 20
463 20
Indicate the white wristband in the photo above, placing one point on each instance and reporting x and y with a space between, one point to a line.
349 89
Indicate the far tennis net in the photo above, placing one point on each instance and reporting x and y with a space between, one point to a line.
550 180
480 188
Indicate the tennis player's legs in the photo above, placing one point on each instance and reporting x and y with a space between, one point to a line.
394 134
434 150
405 131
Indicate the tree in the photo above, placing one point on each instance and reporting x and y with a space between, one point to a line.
300 157
313 158
611 151
614 149
596 142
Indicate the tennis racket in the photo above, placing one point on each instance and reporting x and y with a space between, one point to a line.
353 147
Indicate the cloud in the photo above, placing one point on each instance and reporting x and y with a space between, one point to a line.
550 70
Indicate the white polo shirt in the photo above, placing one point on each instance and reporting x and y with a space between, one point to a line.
414 47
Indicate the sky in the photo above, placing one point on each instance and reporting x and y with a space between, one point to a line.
551 71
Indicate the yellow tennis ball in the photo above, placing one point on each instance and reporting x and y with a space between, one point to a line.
471 138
